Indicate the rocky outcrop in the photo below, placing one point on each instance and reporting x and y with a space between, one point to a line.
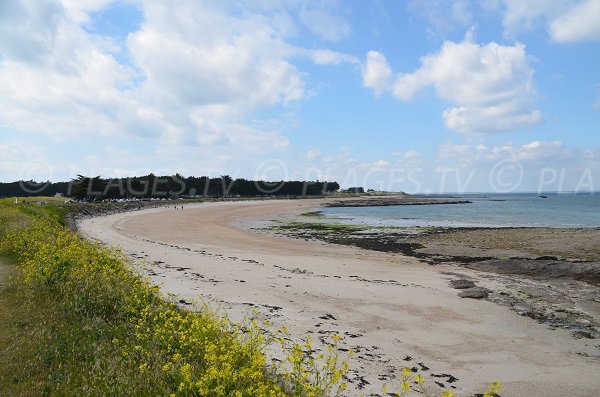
462 284
541 268
389 201
475 293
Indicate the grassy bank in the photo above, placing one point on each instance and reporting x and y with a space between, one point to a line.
76 320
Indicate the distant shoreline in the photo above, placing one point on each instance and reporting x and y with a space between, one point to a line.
482 212
511 255
393 200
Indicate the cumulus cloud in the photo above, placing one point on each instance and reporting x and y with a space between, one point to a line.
534 166
191 76
216 58
46 84
24 160
313 154
443 16
219 68
376 72
328 57
193 73
491 85
565 20
411 155
324 20
473 155
579 24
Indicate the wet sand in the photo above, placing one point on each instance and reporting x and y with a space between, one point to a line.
393 310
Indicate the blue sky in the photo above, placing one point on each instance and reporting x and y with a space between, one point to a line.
420 96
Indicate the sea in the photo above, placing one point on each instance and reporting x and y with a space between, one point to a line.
558 210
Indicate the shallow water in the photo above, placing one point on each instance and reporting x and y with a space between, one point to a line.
487 210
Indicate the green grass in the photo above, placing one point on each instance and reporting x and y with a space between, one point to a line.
77 320
312 214
319 227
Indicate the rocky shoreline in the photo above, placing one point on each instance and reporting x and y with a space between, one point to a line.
556 291
394 200
73 212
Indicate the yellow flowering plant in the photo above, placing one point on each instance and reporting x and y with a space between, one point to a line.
108 331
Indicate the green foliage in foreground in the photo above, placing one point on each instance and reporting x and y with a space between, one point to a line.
76 320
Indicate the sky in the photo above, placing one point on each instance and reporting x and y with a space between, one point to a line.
418 96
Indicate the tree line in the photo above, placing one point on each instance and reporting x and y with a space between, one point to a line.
172 186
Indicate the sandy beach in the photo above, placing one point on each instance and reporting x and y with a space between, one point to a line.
393 310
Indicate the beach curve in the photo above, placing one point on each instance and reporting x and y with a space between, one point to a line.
388 307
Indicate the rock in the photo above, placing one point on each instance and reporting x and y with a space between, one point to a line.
328 317
543 269
387 201
583 321
462 284
583 334
526 310
475 293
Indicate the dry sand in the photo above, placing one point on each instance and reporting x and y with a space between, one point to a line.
387 307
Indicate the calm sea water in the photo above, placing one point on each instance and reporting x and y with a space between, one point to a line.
487 210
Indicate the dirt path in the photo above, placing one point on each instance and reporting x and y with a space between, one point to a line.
5 271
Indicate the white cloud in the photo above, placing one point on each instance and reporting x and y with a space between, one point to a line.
221 69
443 15
534 166
23 160
324 20
473 155
193 74
376 72
522 16
411 155
313 154
223 60
47 84
186 84
197 72
328 57
580 23
491 85
565 20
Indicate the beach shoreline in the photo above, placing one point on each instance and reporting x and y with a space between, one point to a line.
537 274
394 310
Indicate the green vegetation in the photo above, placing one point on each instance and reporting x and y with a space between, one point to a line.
168 186
312 214
319 226
325 226
76 320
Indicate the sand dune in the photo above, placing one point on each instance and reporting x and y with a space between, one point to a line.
388 307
